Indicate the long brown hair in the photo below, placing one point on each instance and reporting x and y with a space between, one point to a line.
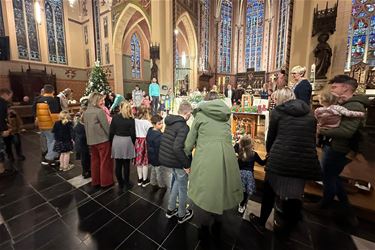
143 113
245 148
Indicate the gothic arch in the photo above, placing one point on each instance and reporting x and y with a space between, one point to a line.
192 43
118 38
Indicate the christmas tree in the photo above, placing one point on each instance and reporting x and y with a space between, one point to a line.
98 81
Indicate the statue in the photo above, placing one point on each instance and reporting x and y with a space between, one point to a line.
323 54
154 69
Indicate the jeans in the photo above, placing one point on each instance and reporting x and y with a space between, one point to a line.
159 176
155 105
333 163
178 189
51 155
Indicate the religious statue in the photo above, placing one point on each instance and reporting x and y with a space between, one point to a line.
154 69
323 54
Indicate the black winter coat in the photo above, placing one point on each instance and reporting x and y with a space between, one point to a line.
153 140
171 153
79 137
291 142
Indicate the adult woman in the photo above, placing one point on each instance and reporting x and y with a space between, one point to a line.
97 134
302 87
215 182
137 96
65 96
292 159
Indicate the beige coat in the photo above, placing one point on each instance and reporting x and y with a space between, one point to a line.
96 125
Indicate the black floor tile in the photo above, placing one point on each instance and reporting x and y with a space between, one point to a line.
184 236
88 226
108 195
81 213
31 220
326 238
69 201
57 190
110 236
138 241
74 172
4 234
55 231
14 193
92 191
158 197
122 202
137 213
158 227
6 246
21 206
47 182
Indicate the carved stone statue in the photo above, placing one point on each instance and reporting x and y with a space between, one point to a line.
323 54
154 69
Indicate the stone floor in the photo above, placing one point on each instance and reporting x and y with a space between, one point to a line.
44 209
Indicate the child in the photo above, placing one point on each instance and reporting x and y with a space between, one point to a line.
142 125
81 147
146 101
63 133
329 116
172 155
167 104
122 135
246 159
162 105
153 138
15 123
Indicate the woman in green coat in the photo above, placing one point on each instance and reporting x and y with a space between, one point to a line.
214 182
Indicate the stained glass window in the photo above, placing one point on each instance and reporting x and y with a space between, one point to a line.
135 56
254 33
361 39
96 6
204 30
225 37
26 30
2 31
55 31
282 33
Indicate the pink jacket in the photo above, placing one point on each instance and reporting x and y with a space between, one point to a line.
330 117
107 114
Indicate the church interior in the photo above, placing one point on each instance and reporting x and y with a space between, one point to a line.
189 47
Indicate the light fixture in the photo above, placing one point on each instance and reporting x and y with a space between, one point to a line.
176 32
38 12
72 3
183 59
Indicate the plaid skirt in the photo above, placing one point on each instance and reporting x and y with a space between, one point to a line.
248 182
141 158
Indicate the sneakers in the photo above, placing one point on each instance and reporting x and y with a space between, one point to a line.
139 182
171 213
145 183
46 162
241 209
188 216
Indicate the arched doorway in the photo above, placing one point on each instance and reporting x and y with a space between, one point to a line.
187 49
131 20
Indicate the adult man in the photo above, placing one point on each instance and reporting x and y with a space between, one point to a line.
154 93
229 93
5 97
238 94
46 110
334 157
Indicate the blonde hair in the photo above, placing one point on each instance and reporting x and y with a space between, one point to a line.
327 98
64 117
299 70
126 110
283 95
94 99
143 112
245 148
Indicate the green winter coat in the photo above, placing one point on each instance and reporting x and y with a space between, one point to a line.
215 182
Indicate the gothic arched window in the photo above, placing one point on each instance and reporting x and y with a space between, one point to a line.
135 56
55 31
361 38
26 32
254 33
205 30
283 23
225 37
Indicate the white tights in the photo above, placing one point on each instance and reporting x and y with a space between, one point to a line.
142 172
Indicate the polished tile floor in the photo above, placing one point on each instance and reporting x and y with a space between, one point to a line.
44 209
